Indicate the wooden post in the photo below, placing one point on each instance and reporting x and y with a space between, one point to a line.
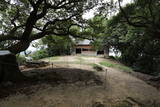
105 79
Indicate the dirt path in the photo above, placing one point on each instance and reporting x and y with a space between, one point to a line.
119 89
120 83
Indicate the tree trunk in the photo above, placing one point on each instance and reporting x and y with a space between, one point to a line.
106 52
19 47
9 70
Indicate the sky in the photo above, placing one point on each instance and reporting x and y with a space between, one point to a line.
90 14
87 15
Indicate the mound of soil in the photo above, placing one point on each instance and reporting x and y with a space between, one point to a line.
53 77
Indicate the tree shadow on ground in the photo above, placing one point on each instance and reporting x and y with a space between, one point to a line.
54 77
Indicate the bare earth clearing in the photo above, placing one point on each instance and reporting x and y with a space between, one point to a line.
72 82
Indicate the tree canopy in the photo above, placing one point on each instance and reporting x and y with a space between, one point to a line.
142 14
23 21
134 31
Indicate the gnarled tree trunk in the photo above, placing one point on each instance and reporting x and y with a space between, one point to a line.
9 70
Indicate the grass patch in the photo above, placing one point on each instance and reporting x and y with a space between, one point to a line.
80 59
97 67
113 65
75 62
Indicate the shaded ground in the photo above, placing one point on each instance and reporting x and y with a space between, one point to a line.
71 81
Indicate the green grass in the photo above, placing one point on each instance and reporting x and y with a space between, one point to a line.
113 65
80 59
97 67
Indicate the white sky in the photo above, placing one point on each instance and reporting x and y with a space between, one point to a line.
87 15
90 14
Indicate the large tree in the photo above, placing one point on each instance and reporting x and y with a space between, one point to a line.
134 32
96 28
23 21
143 14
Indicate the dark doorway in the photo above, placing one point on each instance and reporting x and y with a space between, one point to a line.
78 50
100 52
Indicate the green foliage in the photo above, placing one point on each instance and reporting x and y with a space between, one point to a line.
23 21
42 53
139 47
21 59
96 29
114 65
107 64
75 30
144 13
57 45
97 67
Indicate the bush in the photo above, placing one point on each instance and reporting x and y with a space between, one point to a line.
147 64
21 59
40 54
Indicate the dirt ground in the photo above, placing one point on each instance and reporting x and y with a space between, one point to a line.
71 81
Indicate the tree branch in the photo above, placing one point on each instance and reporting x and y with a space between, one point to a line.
43 13
8 37
32 3
15 18
127 18
58 20
62 4
52 32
